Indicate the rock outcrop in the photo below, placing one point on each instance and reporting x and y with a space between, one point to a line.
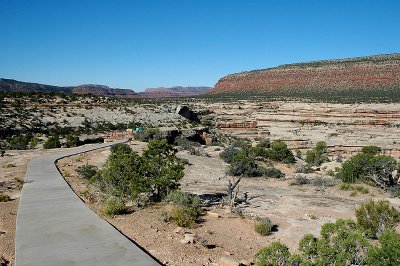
372 74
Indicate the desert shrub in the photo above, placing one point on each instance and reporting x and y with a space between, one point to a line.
264 143
372 150
120 148
33 143
52 143
280 152
19 142
305 169
260 152
150 134
243 165
388 254
113 206
363 166
323 181
86 171
317 155
377 217
345 186
186 208
341 243
182 216
263 226
126 174
299 180
228 153
180 198
276 254
4 198
273 172
72 141
361 189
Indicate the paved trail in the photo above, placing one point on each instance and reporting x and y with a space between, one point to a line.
54 227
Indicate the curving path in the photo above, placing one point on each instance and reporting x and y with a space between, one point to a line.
54 227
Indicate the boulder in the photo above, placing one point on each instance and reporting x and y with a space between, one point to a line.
185 112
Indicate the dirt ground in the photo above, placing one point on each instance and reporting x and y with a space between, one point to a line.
295 210
12 171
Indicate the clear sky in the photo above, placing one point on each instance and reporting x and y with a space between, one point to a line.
144 43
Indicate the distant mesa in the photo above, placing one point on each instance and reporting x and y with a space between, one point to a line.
174 91
380 72
10 85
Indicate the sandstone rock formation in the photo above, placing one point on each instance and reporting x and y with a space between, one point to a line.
362 75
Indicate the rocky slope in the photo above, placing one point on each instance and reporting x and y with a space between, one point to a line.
354 75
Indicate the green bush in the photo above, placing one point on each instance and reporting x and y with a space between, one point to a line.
186 208
228 153
388 254
4 198
243 165
263 226
377 217
113 206
317 155
341 243
276 254
19 142
371 150
364 166
34 142
126 174
72 141
280 152
86 171
273 173
52 143
120 148
264 143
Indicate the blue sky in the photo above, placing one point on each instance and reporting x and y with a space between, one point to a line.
144 43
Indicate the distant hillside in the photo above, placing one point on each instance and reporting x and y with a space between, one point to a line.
10 85
362 75
174 91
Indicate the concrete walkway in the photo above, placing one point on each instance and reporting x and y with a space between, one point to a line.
54 227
